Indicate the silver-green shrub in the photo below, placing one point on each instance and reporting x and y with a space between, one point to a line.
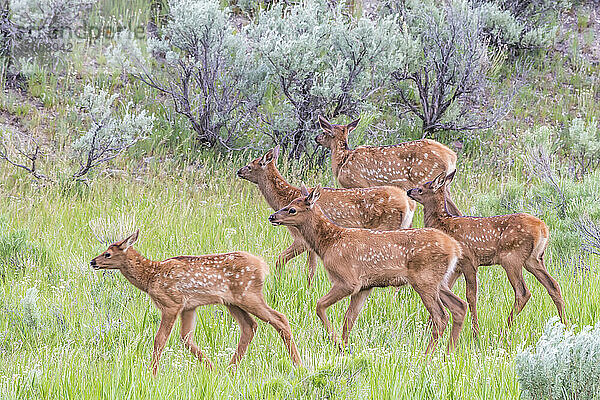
509 24
321 61
206 71
562 365
36 28
450 69
110 132
577 145
124 54
504 28
581 140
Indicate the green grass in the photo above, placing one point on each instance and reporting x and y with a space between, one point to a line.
96 334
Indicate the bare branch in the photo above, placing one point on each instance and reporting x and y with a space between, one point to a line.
540 163
452 70
109 135
590 235
28 148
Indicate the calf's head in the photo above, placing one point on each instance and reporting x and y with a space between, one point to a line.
432 191
334 133
298 210
257 168
115 256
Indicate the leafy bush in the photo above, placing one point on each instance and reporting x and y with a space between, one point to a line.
206 71
577 145
562 365
449 71
296 61
37 28
111 131
322 62
109 134
513 24
563 209
504 28
124 52
581 141
249 8
532 9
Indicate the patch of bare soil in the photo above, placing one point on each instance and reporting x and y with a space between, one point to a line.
25 133
35 123
583 27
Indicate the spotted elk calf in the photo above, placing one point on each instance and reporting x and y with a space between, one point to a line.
179 285
405 165
357 260
381 208
514 241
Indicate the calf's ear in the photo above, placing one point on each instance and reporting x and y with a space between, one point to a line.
325 125
268 157
127 243
314 196
438 182
303 190
450 177
352 125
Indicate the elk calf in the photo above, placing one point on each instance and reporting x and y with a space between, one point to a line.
357 260
405 165
381 208
179 285
514 241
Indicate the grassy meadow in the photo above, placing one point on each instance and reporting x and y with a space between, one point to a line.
94 337
84 334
